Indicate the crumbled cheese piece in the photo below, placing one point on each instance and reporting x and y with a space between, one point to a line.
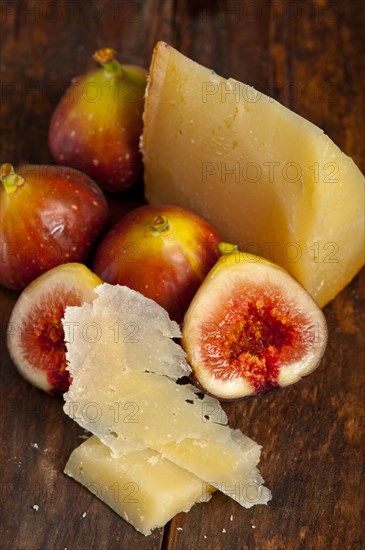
154 459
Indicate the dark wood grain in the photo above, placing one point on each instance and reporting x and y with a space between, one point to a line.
308 55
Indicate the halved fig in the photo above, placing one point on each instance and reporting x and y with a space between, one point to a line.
35 334
251 327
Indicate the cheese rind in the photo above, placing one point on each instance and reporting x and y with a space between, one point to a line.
141 486
264 177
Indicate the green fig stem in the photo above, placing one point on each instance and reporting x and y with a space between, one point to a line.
9 178
227 248
106 59
159 224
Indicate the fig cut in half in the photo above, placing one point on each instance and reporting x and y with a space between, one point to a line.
251 327
35 335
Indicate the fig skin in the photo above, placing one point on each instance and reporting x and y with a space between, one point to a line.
98 122
251 327
35 335
162 251
49 216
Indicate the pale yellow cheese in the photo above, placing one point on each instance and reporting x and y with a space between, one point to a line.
141 486
266 178
129 409
149 411
122 323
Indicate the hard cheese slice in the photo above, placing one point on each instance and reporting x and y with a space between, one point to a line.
267 179
149 411
141 486
130 409
123 324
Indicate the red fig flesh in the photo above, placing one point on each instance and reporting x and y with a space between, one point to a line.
251 327
36 340
162 251
49 215
97 124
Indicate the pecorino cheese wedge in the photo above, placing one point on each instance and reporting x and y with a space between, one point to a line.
269 181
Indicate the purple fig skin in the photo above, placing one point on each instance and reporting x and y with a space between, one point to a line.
162 251
97 124
53 215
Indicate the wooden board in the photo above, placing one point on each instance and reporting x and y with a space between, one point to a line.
309 56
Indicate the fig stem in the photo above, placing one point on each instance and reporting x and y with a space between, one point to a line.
227 248
159 223
106 59
9 178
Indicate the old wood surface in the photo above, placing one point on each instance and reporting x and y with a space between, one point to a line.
309 56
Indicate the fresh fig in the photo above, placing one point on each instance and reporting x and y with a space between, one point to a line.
49 215
98 122
162 251
251 327
35 333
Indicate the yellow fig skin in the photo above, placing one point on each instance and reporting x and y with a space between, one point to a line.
162 251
